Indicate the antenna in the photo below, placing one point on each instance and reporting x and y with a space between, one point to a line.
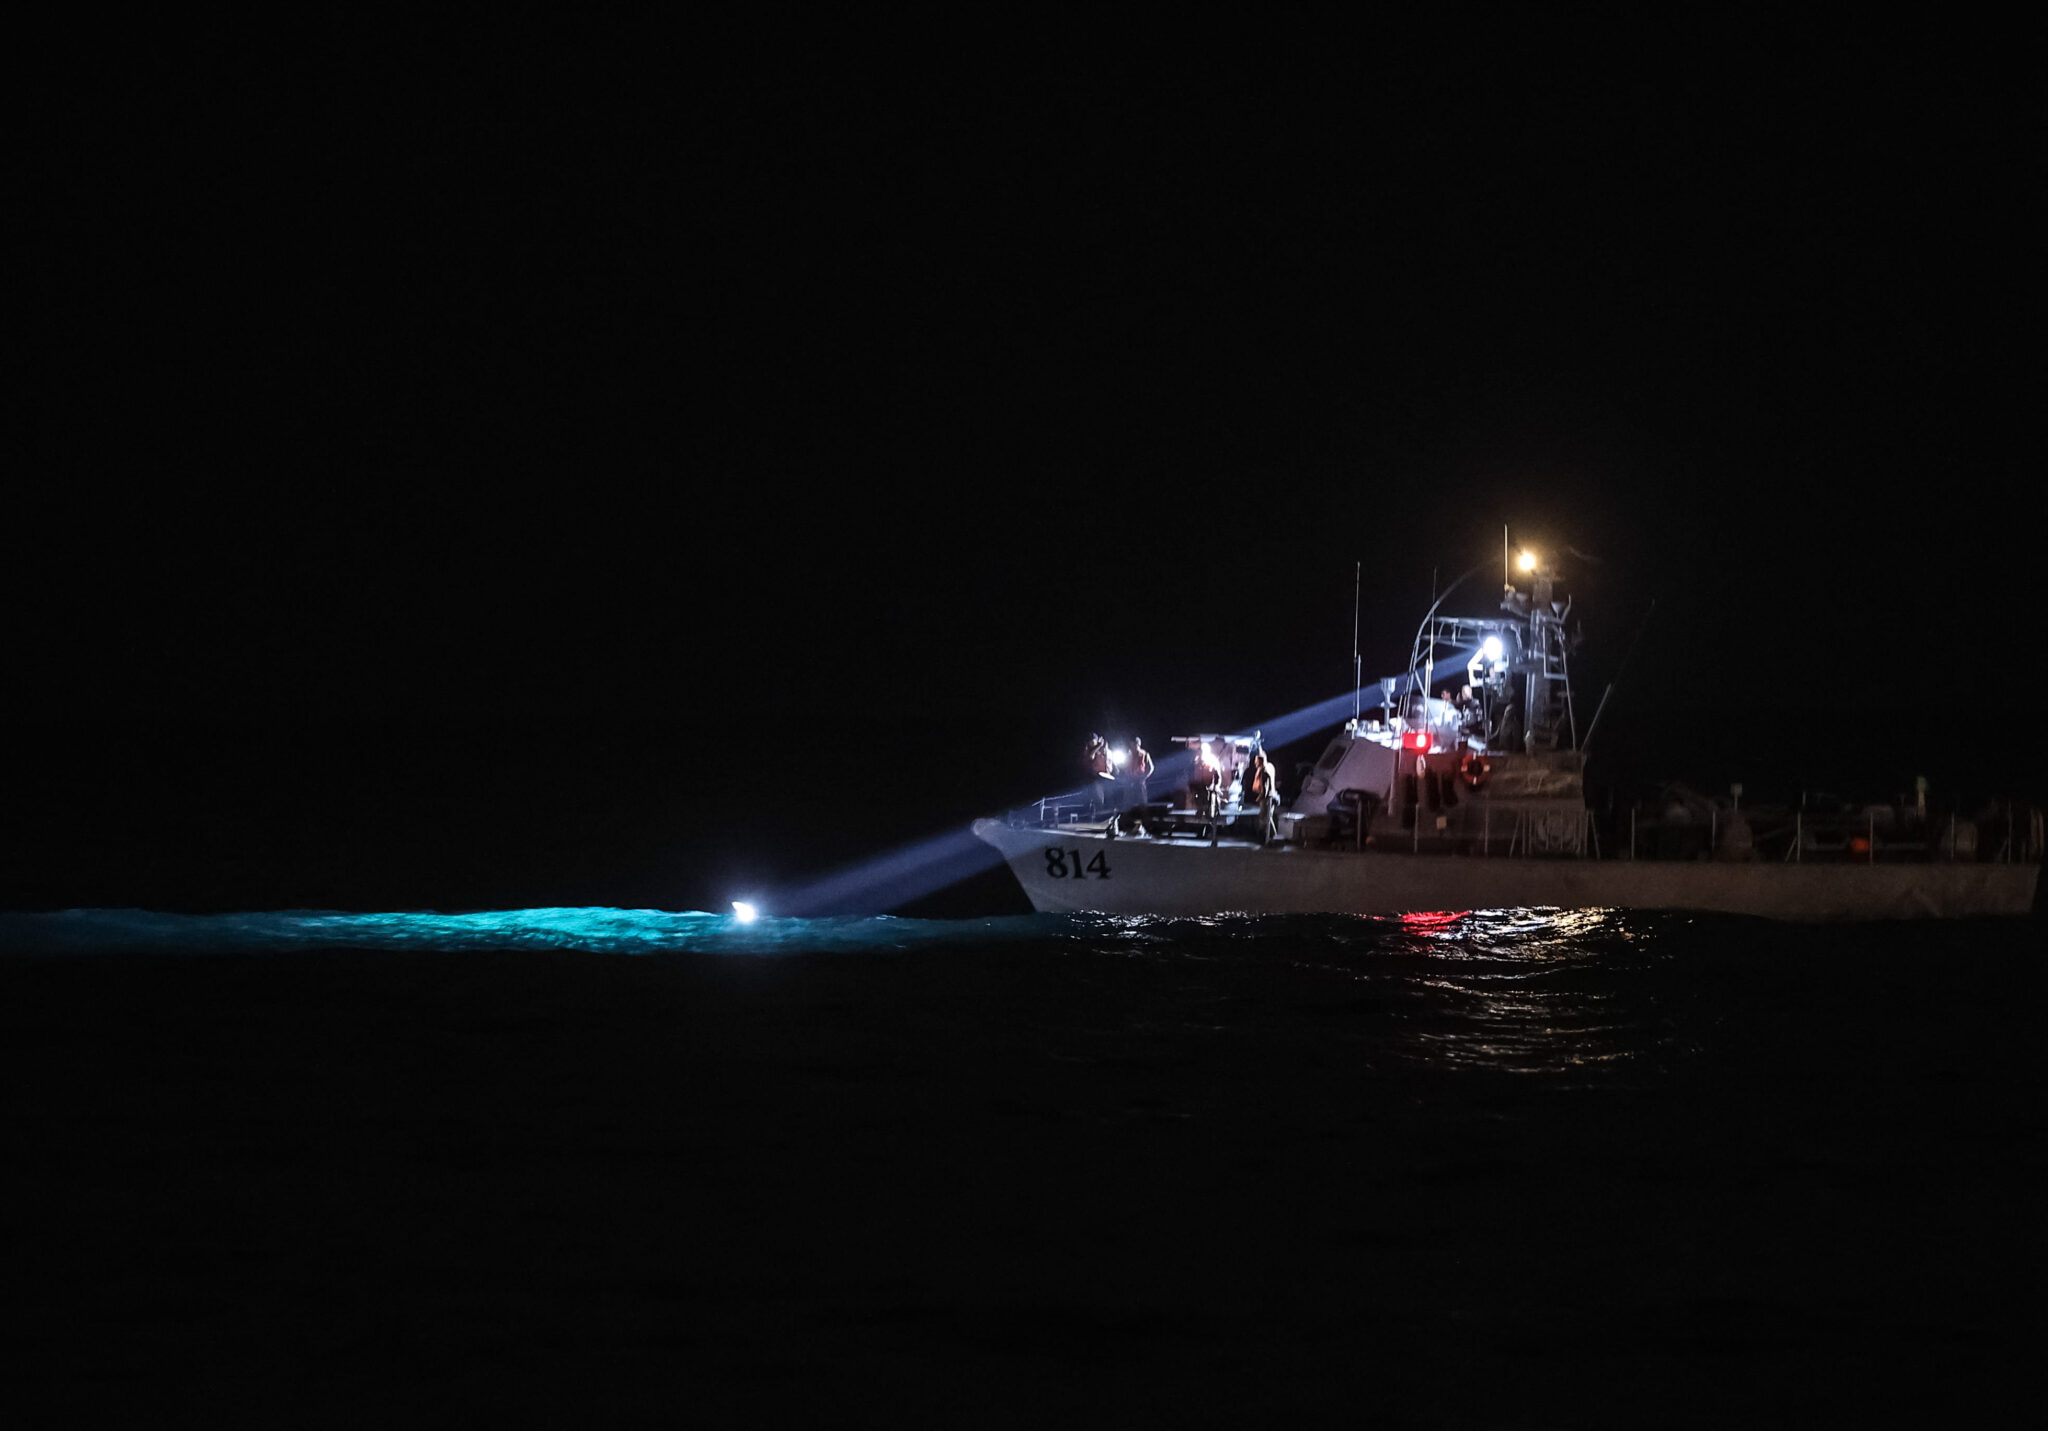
1507 563
1415 647
1621 670
1429 676
1357 576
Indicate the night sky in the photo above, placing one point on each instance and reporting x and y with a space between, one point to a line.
550 467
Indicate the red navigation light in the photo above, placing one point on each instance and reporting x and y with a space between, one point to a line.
1417 740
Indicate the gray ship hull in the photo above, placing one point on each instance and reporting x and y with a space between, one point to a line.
1069 871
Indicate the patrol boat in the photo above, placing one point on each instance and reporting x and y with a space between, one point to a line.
1476 800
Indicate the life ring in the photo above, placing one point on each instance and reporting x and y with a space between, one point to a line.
1473 769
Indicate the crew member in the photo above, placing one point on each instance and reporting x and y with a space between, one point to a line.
1206 786
1265 793
1471 717
1137 771
1101 776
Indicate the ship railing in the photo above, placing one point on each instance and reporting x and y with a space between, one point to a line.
1580 837
2027 849
1061 809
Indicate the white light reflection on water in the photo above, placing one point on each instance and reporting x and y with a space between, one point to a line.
1531 990
1542 991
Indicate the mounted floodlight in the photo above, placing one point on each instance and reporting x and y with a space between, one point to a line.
745 913
1118 757
1491 648
1527 561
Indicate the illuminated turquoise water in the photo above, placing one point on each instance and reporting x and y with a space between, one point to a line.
599 931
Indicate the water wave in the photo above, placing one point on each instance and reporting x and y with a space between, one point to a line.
1518 934
597 930
1522 990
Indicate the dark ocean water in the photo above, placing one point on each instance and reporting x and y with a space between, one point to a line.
1495 1169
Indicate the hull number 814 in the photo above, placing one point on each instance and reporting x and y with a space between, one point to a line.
1066 864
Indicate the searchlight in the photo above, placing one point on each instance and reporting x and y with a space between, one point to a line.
1527 561
745 913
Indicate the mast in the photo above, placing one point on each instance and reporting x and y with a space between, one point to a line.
1544 663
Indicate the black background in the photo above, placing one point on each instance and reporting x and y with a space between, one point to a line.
502 467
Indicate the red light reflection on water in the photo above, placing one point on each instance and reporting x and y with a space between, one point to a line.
1430 922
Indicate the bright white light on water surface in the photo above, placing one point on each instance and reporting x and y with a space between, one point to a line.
745 913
